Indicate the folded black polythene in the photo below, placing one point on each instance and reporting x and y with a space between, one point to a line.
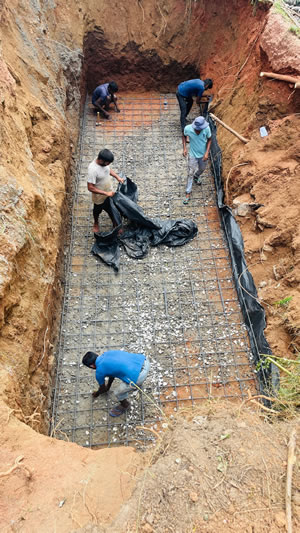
142 231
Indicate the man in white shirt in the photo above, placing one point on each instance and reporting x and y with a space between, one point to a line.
100 184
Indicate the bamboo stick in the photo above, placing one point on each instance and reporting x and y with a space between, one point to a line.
288 492
282 77
229 129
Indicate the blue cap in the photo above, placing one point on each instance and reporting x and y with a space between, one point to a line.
200 124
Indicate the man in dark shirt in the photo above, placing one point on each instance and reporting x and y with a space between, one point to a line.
102 97
185 92
131 368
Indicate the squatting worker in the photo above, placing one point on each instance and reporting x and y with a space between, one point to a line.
200 140
100 184
102 97
131 368
185 92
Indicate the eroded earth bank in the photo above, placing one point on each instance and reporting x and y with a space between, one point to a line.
51 53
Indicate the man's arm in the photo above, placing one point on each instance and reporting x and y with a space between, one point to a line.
205 157
109 384
115 175
103 388
201 91
94 189
115 103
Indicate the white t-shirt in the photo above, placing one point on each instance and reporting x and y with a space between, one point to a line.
101 178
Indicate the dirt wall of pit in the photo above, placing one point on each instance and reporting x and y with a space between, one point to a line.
43 77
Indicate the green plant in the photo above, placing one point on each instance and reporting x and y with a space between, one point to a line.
278 7
284 302
287 399
295 30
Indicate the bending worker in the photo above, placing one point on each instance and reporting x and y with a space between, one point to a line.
185 92
131 368
103 96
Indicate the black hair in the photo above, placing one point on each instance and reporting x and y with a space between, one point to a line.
89 359
208 83
113 87
106 155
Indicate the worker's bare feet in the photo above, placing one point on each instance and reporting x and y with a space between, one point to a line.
95 228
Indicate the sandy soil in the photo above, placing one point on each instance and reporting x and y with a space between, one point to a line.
269 178
50 485
220 466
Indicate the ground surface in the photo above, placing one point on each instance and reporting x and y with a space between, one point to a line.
217 467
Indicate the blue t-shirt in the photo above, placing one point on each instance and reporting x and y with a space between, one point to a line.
118 364
100 92
197 142
191 88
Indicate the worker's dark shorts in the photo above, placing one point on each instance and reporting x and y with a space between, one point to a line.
112 213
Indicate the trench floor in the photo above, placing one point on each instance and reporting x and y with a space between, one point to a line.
177 305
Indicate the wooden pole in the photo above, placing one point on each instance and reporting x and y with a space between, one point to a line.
229 129
282 77
288 491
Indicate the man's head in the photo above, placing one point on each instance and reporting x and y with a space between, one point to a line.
105 157
199 124
89 359
113 87
208 83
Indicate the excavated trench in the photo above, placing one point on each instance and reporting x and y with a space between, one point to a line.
179 306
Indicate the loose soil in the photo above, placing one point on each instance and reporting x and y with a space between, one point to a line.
217 467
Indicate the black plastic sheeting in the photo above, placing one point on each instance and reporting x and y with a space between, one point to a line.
253 312
142 232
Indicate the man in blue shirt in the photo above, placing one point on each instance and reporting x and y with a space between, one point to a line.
102 97
185 92
131 368
200 140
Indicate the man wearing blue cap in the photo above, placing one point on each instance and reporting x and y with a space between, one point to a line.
185 92
200 140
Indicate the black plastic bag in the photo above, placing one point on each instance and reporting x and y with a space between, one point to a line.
142 232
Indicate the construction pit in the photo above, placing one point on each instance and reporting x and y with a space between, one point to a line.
66 464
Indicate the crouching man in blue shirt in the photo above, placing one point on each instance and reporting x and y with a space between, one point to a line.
131 368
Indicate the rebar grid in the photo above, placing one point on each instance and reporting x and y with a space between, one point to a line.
177 305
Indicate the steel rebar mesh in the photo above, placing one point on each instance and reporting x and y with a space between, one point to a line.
177 305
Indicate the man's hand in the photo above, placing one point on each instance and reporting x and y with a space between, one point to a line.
184 152
110 194
121 180
101 390
205 157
